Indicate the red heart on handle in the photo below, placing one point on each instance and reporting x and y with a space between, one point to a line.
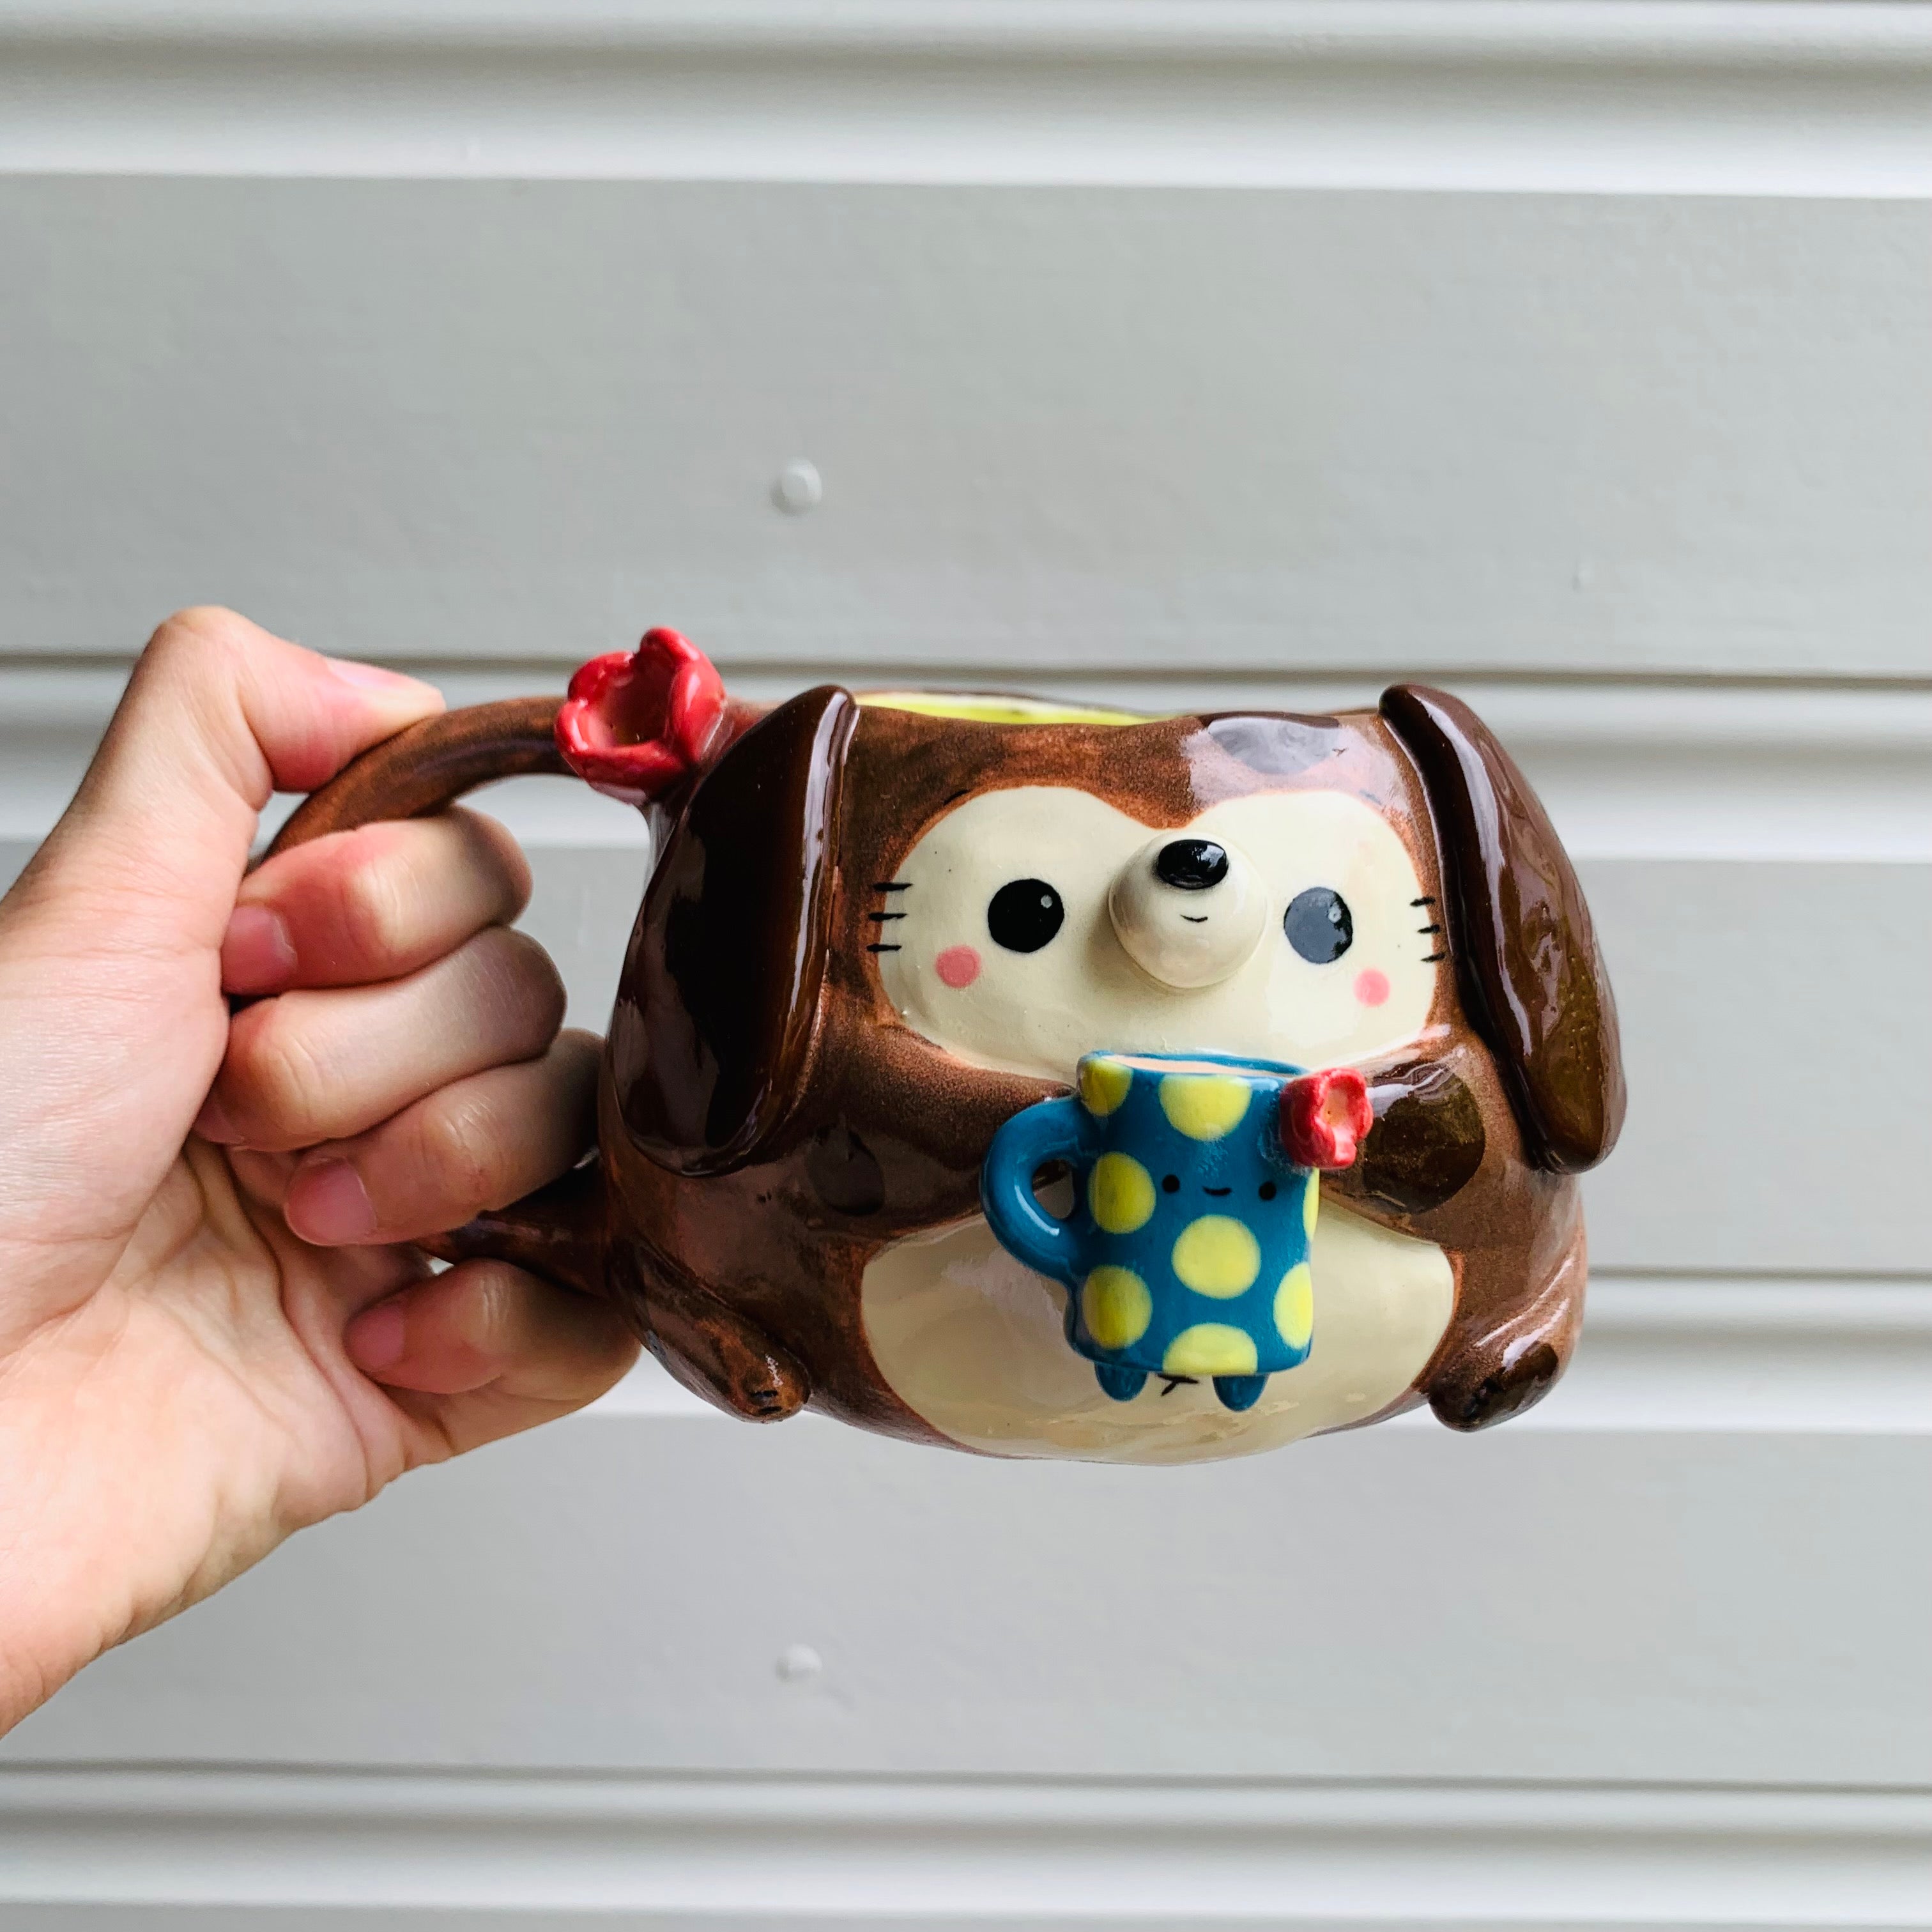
636 721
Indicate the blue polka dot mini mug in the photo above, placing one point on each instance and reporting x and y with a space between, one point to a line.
1186 1255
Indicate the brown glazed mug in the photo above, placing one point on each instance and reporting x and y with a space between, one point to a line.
879 926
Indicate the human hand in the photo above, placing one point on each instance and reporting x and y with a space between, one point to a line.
184 1381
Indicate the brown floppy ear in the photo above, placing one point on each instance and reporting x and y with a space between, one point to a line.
1532 978
719 1001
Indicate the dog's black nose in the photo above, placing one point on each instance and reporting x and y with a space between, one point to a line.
1193 865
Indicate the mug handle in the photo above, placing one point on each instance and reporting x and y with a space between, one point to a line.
430 765
639 726
1050 1130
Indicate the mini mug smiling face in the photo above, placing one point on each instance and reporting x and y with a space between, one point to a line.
1031 924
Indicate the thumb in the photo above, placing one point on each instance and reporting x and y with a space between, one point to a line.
112 1020
217 714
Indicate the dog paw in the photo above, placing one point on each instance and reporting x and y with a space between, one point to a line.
1468 1399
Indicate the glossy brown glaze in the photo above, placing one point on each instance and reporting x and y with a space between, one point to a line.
1526 956
427 767
721 982
1428 1141
769 1125
1445 1161
560 1232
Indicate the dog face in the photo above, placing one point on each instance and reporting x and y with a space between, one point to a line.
1022 890
1034 923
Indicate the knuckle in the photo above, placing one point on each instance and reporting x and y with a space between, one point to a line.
483 1307
284 1085
530 987
580 1058
490 849
370 909
202 630
459 1143
502 1296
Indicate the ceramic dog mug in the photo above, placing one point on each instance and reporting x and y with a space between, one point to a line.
879 928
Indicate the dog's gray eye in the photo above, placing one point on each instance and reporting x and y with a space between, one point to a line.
1024 914
1319 926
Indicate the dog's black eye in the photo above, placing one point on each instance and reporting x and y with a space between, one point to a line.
1024 914
1266 1190
1170 1183
1317 925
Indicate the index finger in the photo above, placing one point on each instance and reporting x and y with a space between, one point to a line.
216 714
352 908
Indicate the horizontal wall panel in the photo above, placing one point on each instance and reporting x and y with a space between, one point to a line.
1681 97
633 1592
1776 1066
101 1849
1724 1352
1056 427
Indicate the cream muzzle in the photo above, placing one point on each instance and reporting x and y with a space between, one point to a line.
1189 912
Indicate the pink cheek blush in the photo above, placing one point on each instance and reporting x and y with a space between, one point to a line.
959 966
1371 988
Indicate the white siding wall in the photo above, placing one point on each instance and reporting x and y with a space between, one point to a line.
1578 355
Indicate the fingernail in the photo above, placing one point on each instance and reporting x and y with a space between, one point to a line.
374 1339
326 1203
257 955
212 1124
371 677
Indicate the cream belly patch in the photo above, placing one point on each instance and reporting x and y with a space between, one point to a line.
973 1341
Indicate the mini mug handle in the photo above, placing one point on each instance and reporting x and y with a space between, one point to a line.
1049 1130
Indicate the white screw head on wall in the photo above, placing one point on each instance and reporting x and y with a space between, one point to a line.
799 487
798 1662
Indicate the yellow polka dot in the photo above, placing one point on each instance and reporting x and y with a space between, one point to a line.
1120 1193
1210 1349
1116 1306
1295 1306
1311 1204
1217 1255
1103 1084
1204 1106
